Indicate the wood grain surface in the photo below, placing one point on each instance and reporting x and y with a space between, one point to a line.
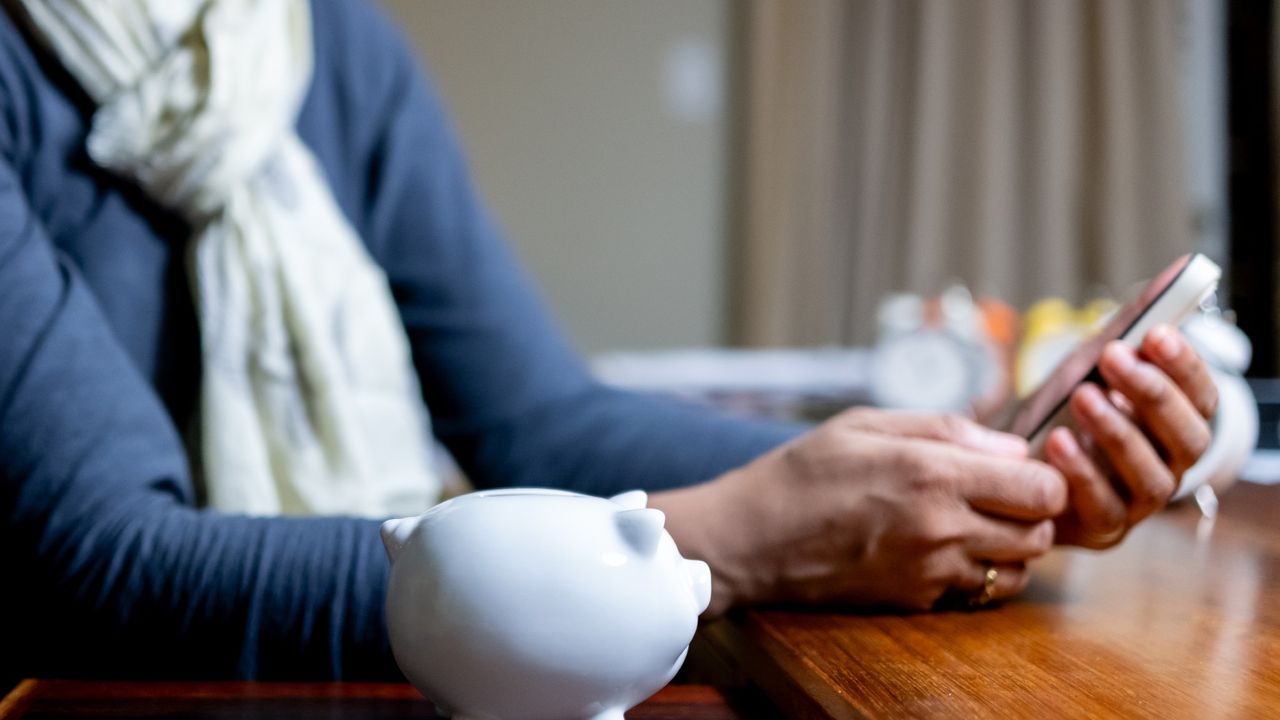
1181 620
68 699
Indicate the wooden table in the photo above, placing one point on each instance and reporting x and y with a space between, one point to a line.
66 699
1182 620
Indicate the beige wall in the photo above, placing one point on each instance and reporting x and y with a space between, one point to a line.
593 136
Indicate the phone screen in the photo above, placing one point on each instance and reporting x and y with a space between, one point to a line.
1080 366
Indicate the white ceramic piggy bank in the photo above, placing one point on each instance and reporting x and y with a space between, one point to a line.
540 604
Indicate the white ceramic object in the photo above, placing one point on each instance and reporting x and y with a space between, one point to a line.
1228 352
1235 436
540 603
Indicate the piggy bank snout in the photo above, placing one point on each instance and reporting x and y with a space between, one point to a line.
700 582
642 529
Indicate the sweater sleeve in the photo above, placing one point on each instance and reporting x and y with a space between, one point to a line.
111 570
507 394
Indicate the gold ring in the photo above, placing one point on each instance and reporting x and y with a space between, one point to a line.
988 588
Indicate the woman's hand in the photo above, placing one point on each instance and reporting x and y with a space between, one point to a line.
872 508
1135 440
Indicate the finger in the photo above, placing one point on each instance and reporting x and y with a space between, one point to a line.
1160 406
1010 579
954 429
1007 541
1169 350
1098 508
1146 478
1007 487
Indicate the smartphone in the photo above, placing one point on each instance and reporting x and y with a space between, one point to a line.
1170 298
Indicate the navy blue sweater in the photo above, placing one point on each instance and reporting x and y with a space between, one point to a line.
111 567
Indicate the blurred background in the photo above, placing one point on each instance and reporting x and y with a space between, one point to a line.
700 173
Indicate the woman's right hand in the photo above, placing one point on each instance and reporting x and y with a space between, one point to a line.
872 508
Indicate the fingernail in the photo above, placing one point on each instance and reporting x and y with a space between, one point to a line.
1147 377
1094 403
1121 356
1166 342
981 438
1066 442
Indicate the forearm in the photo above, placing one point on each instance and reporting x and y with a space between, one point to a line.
157 589
603 441
732 523
700 519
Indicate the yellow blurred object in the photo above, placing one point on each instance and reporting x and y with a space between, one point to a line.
1051 329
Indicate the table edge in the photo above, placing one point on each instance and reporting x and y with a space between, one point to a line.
775 669
13 704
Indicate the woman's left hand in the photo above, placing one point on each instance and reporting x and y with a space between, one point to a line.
1136 437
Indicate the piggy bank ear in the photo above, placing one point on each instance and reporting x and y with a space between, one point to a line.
641 528
632 499
395 533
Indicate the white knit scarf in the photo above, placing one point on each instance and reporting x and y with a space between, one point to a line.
309 404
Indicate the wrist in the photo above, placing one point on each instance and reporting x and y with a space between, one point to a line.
703 520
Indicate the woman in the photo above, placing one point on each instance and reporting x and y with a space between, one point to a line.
123 194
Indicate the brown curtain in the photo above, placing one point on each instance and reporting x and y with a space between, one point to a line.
1025 147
